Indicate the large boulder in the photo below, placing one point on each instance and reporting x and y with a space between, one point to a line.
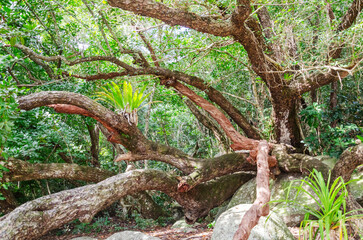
272 229
356 186
291 214
131 235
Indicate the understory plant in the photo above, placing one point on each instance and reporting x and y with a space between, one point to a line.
321 137
330 197
126 101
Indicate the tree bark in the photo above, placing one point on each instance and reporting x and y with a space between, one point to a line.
23 171
10 203
286 127
95 138
33 219
210 124
333 101
260 206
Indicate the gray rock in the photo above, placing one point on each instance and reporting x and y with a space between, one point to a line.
292 214
186 230
356 187
272 229
131 235
84 238
183 225
330 161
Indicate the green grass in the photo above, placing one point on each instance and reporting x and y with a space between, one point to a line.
330 196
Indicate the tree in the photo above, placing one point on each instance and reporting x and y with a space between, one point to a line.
287 52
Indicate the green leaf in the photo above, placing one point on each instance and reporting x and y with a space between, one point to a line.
22 40
12 41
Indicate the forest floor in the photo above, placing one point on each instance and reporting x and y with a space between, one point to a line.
201 232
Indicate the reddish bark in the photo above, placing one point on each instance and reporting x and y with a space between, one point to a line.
71 109
240 141
259 207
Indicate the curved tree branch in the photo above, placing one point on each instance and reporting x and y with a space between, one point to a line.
33 219
121 130
37 57
23 171
351 15
213 94
209 123
172 16
236 137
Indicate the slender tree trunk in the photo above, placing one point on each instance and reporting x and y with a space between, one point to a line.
95 139
333 101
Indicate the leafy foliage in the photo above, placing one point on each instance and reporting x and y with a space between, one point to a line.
322 138
331 199
125 101
8 111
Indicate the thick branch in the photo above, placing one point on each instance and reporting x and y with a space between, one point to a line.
215 167
235 136
203 117
305 85
213 95
347 21
33 219
267 25
260 206
24 171
61 102
34 55
351 15
296 162
99 76
173 16
121 130
350 159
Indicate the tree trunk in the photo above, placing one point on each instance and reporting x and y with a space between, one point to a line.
285 119
333 101
10 203
95 138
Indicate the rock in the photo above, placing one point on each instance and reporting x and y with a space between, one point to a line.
84 238
356 186
273 229
182 224
330 161
131 235
186 230
292 215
